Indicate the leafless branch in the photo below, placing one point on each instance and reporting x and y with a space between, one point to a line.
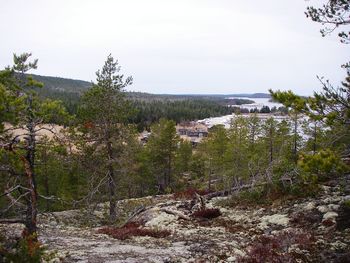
12 221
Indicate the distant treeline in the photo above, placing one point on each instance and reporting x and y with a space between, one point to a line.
149 108
182 110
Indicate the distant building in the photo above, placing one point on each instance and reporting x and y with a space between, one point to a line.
143 137
192 131
188 131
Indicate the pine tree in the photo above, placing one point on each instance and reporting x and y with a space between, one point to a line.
162 147
103 114
24 110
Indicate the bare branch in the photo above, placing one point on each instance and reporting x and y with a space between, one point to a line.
12 221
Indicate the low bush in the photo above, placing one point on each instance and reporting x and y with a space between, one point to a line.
253 197
343 221
27 249
132 229
305 219
288 246
320 166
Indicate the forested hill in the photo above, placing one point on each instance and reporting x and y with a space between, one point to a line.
63 84
58 84
251 95
149 107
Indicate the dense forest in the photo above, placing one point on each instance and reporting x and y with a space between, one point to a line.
149 108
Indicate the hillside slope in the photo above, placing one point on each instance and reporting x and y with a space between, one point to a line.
314 229
63 84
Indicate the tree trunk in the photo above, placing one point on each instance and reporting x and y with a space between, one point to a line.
295 148
315 139
169 172
29 162
46 181
111 185
271 145
209 176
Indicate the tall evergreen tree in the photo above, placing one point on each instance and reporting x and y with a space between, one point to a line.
162 147
103 114
25 111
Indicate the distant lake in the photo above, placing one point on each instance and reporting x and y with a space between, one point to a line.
258 103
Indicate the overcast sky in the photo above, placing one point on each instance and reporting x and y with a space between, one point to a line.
178 46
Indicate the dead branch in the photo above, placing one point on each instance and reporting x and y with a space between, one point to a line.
138 211
12 221
14 202
9 191
92 191
234 189
201 200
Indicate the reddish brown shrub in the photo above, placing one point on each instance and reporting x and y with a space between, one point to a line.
132 225
305 219
328 222
207 213
230 226
132 229
89 125
189 193
276 248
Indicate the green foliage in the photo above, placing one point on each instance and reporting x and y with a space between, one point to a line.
329 136
187 109
53 111
237 154
162 147
256 196
27 249
332 15
63 85
183 157
331 106
347 203
102 115
26 111
322 165
253 197
10 103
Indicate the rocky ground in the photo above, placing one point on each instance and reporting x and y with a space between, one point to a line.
302 230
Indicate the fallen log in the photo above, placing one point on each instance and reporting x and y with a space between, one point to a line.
232 190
